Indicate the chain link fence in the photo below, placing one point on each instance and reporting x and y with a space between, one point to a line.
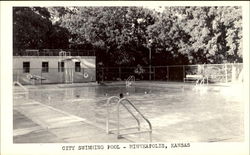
216 73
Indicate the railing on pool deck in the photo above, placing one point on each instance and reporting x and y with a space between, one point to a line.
25 91
130 80
202 81
138 127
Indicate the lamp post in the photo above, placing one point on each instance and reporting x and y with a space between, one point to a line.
150 57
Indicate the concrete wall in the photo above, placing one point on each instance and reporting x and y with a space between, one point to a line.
87 73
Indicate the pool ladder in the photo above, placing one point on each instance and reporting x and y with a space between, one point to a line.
123 102
202 81
130 80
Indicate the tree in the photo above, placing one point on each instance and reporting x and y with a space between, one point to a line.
122 35
32 29
58 38
118 32
169 39
201 34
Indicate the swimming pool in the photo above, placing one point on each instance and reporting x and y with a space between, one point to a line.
177 112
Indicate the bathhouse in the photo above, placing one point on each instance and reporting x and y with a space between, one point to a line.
54 66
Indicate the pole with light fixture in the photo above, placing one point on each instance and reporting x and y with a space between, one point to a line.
150 56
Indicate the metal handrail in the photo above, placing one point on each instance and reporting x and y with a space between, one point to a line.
120 101
202 81
137 120
20 85
118 117
25 90
108 112
130 78
108 109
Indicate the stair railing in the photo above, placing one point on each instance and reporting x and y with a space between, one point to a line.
130 80
123 102
108 130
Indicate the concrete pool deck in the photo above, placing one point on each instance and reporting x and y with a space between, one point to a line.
34 122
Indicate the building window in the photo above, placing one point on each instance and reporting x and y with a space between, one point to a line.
45 67
60 66
77 67
26 67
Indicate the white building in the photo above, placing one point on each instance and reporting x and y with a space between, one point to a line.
41 69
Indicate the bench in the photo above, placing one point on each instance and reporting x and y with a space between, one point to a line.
35 77
193 77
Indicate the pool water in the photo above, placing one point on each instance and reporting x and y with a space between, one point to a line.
177 112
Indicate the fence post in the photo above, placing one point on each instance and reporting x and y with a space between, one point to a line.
40 75
102 74
120 73
233 72
167 73
183 72
226 71
154 73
